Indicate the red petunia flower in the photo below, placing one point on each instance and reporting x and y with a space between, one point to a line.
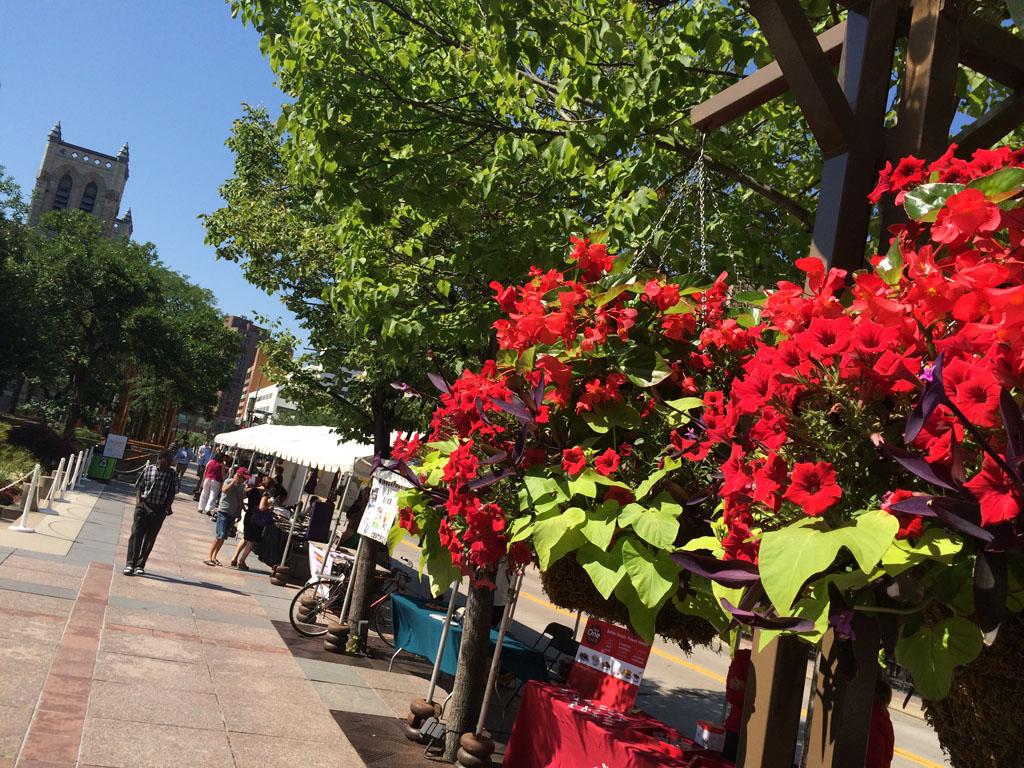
995 492
593 258
813 487
965 215
911 526
977 395
607 463
574 461
621 496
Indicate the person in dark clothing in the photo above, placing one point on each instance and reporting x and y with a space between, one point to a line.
881 740
154 493
252 531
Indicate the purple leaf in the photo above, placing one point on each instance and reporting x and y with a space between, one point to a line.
762 621
956 464
439 382
497 458
401 386
516 409
934 393
990 584
538 392
489 479
728 573
951 512
520 448
480 410
918 466
915 505
1013 423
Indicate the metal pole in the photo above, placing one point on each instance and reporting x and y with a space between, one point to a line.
334 530
20 525
58 478
288 541
576 626
506 619
436 673
351 581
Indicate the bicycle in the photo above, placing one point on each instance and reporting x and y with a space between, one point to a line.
319 602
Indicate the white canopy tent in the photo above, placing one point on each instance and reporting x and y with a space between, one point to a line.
314 447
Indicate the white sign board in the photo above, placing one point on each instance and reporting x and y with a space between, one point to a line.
381 508
115 445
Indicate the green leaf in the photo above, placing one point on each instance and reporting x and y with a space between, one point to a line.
931 653
441 573
871 535
521 528
556 535
599 526
645 367
935 544
1001 185
685 404
653 575
890 268
583 485
702 603
611 415
605 569
751 297
395 536
710 543
924 202
641 616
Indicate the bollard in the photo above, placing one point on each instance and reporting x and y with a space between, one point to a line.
33 484
58 478
80 460
67 476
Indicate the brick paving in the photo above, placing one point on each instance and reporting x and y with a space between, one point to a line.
186 666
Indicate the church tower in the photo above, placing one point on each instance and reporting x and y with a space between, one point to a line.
75 177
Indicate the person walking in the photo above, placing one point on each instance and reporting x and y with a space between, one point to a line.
228 511
213 478
154 493
183 459
202 457
256 516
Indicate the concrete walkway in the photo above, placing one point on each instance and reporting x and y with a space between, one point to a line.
182 667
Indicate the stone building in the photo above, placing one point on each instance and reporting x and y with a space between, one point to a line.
72 177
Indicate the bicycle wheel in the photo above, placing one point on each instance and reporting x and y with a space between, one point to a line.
309 611
382 623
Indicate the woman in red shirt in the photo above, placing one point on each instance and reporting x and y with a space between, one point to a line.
881 741
213 477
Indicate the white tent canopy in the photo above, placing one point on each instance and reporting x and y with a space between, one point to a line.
316 447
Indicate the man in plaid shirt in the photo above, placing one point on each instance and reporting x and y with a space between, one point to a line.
154 492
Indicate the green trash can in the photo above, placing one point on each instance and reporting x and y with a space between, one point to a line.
102 468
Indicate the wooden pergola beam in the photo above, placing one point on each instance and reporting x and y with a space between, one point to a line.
759 87
808 73
992 126
991 50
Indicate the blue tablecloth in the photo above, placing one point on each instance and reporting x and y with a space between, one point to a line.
418 631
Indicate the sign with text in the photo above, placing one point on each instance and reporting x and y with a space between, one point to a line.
609 665
382 507
114 447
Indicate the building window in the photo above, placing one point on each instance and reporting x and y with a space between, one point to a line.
89 197
60 199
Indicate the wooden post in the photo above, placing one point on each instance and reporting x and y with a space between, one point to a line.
771 712
841 709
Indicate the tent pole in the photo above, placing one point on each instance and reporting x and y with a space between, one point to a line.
351 581
436 672
334 530
576 628
288 541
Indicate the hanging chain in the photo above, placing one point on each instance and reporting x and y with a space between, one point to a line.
700 181
674 199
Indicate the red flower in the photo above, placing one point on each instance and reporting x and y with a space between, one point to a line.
768 480
621 496
813 487
911 526
965 215
664 296
506 297
462 464
593 258
607 463
574 461
405 447
998 496
520 554
908 173
407 520
978 397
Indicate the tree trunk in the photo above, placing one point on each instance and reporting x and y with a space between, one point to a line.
19 386
471 675
363 582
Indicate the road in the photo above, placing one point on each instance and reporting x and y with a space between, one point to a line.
679 689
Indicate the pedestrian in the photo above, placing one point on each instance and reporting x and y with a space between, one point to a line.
228 511
253 522
735 695
213 478
183 459
204 455
154 493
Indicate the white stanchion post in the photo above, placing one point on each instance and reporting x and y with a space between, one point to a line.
86 464
67 476
436 672
74 471
79 469
58 478
33 484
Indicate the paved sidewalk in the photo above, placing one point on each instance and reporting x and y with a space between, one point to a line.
183 667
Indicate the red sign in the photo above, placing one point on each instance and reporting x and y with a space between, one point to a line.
609 665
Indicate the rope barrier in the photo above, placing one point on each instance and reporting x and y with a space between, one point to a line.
20 480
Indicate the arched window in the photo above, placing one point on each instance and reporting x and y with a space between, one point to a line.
88 197
60 199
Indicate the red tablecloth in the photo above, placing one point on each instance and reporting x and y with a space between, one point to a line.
557 728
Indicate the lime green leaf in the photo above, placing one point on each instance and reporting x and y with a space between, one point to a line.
788 558
521 528
890 268
710 543
613 415
395 536
599 526
583 485
1001 185
645 367
931 653
923 203
557 534
641 616
605 569
653 575
869 538
703 604
685 404
935 544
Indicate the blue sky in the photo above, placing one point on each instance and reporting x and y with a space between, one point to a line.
168 78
